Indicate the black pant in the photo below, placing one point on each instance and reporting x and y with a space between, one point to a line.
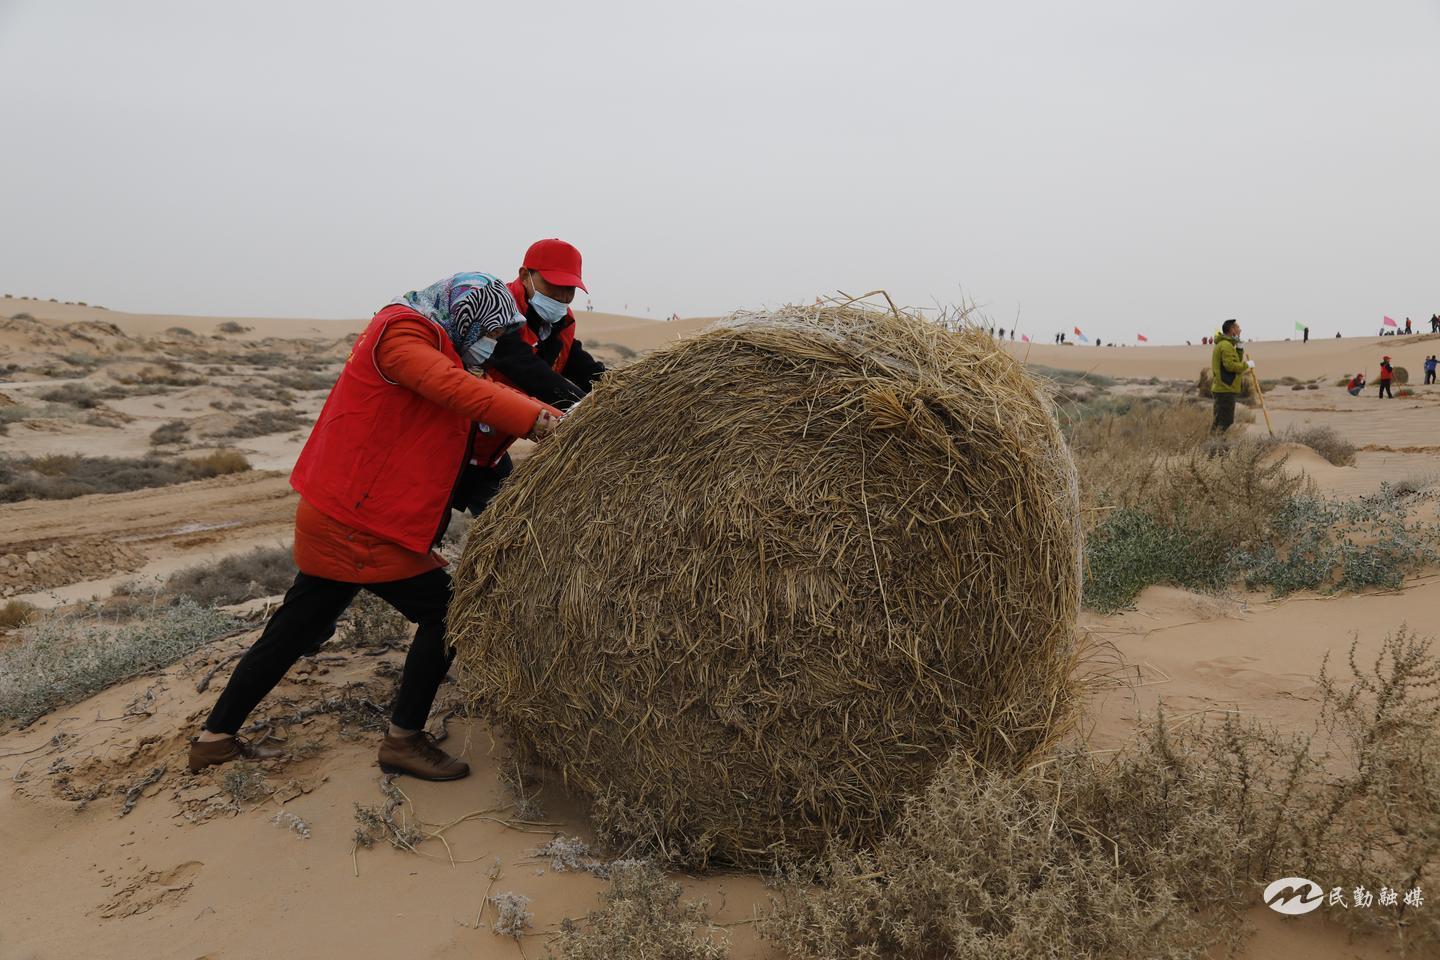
311 607
1224 412
1385 390
478 485
1429 376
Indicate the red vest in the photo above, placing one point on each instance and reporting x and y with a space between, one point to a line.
382 458
491 446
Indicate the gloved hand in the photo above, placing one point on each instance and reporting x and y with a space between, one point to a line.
544 426
1250 364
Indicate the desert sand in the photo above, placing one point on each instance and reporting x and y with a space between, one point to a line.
113 850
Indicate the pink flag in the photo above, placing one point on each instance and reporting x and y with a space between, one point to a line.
1390 323
1024 338
1142 338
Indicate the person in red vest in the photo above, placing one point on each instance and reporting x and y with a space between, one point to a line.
541 357
1387 373
375 480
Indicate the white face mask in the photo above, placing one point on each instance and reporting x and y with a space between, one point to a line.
547 308
478 352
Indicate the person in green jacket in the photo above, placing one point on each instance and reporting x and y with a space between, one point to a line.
1227 370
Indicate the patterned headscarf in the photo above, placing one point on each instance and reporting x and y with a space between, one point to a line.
467 306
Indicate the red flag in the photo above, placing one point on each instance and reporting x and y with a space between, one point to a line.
1078 333
1142 338
1025 338
1390 323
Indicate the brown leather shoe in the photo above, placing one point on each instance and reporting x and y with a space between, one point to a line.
418 756
208 753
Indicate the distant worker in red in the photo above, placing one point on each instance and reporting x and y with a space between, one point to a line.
1387 374
541 357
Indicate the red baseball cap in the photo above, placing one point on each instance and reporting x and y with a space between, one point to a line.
557 261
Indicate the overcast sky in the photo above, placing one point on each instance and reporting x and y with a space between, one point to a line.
1126 167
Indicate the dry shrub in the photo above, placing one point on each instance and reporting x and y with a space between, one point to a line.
219 463
301 380
176 431
1240 480
261 572
15 613
1121 428
850 546
644 917
63 476
1401 376
266 422
1181 520
69 655
374 625
169 373
1326 442
1154 852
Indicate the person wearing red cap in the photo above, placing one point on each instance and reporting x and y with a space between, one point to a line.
543 358
1387 373
540 357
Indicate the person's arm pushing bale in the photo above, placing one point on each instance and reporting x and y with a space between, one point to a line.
375 480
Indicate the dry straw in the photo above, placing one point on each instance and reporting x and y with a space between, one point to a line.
765 579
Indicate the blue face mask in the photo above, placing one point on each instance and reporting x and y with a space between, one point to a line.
478 352
548 309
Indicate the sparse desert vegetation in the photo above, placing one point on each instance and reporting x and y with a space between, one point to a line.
235 578
65 476
266 422
1156 851
61 659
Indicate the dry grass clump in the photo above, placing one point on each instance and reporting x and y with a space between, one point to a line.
301 379
644 917
1180 519
15 613
266 422
218 463
68 656
1401 375
788 565
63 476
261 572
245 782
175 431
373 624
166 373
512 914
1326 442
1154 852
1129 426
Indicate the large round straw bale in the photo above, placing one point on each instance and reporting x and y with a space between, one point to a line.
764 579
